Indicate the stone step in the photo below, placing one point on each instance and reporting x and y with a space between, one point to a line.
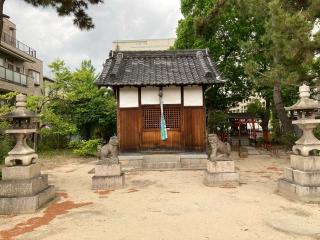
161 165
164 161
156 158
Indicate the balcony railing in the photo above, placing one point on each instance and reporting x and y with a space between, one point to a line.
5 37
11 76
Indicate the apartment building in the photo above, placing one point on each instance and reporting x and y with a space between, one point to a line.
20 69
143 44
243 106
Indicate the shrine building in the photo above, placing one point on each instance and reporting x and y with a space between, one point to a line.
160 98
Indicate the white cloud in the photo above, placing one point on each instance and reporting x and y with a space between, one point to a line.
56 37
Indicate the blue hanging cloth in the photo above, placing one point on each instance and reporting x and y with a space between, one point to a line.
163 128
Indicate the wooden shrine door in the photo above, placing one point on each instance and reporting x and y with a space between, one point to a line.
150 129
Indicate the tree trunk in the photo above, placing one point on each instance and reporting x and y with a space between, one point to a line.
286 124
266 117
1 17
265 121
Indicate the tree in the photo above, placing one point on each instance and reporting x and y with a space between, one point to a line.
290 48
76 106
266 44
77 8
6 142
223 36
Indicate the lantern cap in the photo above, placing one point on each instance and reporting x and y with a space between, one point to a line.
305 102
21 111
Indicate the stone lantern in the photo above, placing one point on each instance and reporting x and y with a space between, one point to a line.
23 188
22 127
301 180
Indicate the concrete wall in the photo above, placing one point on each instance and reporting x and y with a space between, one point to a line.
143 44
9 26
10 54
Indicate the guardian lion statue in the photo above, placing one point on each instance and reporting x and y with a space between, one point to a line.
108 154
217 149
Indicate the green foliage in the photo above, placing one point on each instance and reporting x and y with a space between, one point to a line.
6 106
256 108
218 122
57 124
285 45
260 46
85 147
6 144
287 140
90 109
75 107
221 26
317 132
33 102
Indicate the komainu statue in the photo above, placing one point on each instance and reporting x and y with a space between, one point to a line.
217 149
108 154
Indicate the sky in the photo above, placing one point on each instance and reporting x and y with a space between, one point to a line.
56 37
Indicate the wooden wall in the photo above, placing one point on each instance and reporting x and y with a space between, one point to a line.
194 128
152 139
129 126
133 136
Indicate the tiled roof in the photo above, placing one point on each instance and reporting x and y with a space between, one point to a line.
142 68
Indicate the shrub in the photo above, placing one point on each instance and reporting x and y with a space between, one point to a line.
288 140
218 122
317 132
6 144
85 147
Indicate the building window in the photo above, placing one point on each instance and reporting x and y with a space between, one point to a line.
152 116
36 77
1 61
10 66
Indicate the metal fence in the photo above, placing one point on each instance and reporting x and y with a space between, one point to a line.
5 37
11 76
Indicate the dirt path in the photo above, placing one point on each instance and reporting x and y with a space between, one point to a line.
170 205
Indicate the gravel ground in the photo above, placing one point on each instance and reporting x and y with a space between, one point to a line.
167 205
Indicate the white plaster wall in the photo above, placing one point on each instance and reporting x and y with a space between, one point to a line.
128 97
171 95
192 96
149 95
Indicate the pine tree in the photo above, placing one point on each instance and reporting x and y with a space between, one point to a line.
77 8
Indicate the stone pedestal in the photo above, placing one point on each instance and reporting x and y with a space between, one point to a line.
107 177
221 173
24 189
301 181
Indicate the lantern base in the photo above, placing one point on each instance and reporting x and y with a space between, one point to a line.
301 181
26 204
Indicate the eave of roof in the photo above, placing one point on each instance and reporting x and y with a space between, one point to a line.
159 68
